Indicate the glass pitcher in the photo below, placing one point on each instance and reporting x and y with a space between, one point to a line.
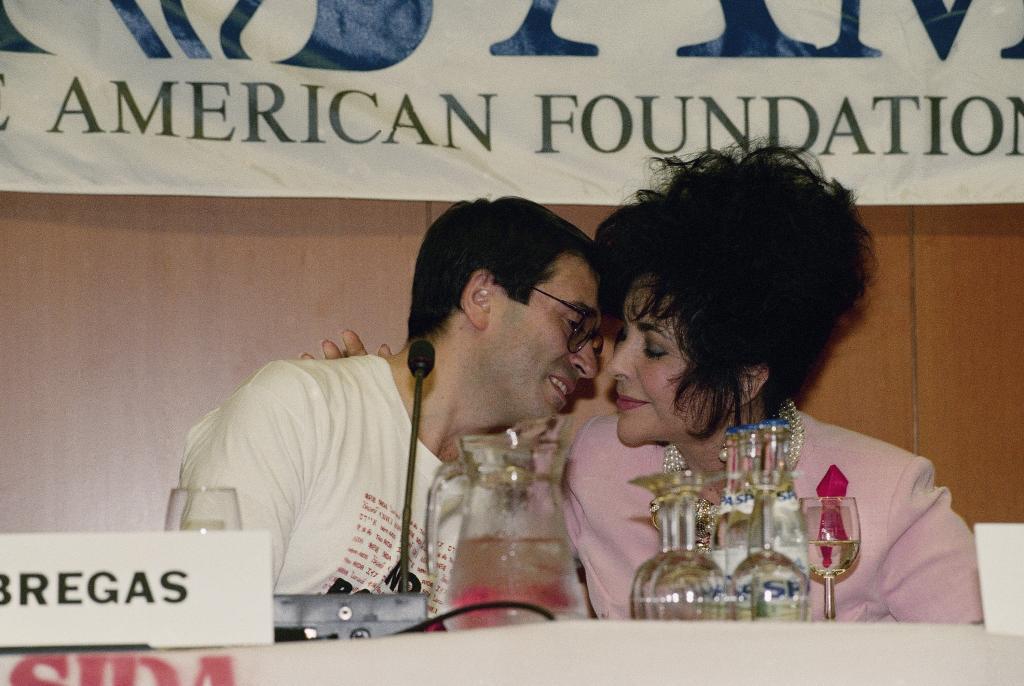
512 543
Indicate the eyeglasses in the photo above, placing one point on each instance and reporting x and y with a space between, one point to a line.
583 331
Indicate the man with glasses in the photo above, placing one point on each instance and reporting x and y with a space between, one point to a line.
506 292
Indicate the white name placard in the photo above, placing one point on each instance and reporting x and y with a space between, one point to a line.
1000 558
163 589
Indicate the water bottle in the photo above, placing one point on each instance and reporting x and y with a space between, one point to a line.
790 533
770 584
737 504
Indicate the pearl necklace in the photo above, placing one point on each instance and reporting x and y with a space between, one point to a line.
789 414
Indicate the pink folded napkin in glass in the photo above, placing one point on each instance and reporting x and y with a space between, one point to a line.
833 484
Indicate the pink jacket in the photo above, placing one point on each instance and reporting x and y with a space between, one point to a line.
917 559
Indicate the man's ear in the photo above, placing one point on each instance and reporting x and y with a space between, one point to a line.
478 297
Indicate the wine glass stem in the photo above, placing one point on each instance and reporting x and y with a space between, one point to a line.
830 598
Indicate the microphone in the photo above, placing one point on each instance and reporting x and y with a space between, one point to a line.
421 357
421 362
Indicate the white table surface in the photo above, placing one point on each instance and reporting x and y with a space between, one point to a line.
577 652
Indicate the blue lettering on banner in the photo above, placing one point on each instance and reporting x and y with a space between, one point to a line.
140 28
355 35
146 36
182 30
941 24
750 31
231 29
11 39
848 44
536 37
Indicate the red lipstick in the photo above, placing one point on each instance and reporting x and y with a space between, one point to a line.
625 403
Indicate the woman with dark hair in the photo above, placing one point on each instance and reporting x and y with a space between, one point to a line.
730 276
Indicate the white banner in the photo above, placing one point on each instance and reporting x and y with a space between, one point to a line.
561 101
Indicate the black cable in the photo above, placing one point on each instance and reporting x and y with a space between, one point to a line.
286 634
492 605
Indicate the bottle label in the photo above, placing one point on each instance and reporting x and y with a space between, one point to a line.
742 501
774 599
786 501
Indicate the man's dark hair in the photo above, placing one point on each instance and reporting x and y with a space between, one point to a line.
514 239
752 257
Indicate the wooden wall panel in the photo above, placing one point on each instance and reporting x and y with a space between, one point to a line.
866 383
970 333
127 318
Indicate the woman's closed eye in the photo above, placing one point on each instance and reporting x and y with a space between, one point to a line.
654 352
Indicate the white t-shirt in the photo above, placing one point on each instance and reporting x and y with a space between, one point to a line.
317 451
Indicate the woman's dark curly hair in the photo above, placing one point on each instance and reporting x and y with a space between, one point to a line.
752 257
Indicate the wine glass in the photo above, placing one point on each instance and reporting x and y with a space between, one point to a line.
203 509
833 540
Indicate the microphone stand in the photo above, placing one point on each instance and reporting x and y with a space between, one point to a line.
421 361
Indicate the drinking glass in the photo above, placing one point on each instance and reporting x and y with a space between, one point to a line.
833 541
203 509
682 581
